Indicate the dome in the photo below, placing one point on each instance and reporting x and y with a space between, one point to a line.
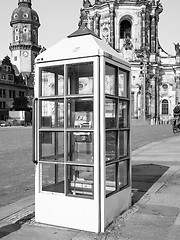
24 13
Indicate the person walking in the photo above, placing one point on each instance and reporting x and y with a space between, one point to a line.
176 112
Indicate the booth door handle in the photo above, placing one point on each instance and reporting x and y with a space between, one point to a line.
34 130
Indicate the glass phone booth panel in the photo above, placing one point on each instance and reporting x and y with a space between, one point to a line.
66 130
117 141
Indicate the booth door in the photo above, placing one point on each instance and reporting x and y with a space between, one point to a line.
66 134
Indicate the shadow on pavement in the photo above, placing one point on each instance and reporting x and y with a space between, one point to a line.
10 228
143 177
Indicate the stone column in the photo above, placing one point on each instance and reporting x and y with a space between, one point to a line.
143 30
148 38
153 34
112 28
178 84
91 23
156 43
97 26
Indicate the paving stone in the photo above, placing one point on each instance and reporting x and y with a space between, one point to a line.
158 210
174 233
165 200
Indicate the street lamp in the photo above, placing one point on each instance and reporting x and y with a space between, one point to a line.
177 71
177 82
143 73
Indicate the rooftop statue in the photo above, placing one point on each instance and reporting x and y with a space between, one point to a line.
87 3
177 48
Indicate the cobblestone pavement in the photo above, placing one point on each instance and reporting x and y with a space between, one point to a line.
16 168
145 134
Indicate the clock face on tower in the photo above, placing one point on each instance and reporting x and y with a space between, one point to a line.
25 54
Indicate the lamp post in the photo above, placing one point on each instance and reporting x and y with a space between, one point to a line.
143 72
177 79
176 70
144 93
156 96
158 73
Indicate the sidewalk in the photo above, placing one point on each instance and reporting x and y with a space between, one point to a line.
154 215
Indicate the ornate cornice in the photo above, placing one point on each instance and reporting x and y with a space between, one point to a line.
24 47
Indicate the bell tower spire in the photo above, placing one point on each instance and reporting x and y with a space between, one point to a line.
24 47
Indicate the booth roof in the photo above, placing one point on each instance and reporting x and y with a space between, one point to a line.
79 47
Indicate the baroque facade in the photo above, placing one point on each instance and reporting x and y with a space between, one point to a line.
131 28
16 73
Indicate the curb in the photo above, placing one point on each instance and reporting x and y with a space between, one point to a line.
158 184
16 207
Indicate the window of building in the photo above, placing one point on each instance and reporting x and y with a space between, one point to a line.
15 58
16 30
21 94
125 29
2 93
5 67
10 77
11 93
3 76
15 15
165 86
25 29
165 107
25 15
16 38
35 18
2 105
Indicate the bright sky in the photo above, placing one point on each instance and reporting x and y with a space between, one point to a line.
60 18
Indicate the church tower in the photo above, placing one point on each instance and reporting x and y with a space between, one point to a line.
24 47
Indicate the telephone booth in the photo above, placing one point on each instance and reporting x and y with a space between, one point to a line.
81 134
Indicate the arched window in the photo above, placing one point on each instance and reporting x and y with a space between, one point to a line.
165 107
125 29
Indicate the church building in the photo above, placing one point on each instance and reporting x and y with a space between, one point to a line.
131 28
